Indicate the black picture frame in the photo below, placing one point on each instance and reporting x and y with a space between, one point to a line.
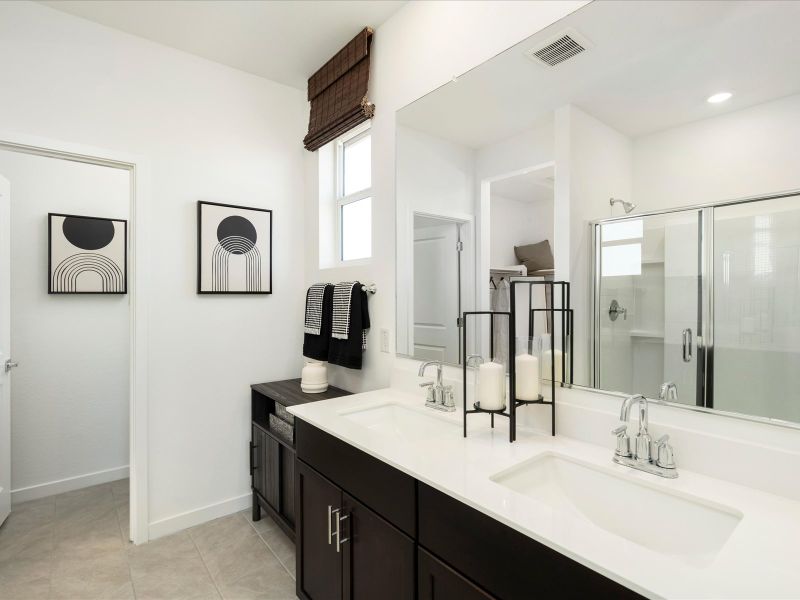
51 288
200 289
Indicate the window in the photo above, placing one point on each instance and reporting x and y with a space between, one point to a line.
354 195
618 259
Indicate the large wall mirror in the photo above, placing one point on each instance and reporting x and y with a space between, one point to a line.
648 154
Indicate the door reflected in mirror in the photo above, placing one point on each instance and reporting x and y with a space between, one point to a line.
437 289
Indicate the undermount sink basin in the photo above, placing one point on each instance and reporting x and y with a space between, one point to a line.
399 422
682 526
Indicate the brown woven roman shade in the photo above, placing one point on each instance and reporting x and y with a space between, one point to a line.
338 93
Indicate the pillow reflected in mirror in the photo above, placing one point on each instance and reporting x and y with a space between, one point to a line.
535 257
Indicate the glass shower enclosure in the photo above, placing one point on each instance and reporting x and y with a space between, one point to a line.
706 298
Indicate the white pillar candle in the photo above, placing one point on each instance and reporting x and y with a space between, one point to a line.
547 361
491 386
527 377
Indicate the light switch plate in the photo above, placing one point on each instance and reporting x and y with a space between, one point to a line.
384 340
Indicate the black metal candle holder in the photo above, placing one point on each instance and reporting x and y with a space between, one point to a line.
567 324
476 406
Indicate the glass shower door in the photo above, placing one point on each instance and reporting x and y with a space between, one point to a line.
647 303
756 304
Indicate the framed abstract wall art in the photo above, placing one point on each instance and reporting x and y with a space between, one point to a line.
87 255
234 249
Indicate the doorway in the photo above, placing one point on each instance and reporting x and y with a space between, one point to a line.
78 392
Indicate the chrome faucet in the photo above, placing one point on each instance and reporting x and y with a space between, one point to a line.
668 392
440 396
642 456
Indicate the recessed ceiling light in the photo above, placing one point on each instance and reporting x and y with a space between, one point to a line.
720 97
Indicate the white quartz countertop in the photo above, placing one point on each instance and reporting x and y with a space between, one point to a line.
759 560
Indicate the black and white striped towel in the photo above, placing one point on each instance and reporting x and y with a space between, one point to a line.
342 293
313 322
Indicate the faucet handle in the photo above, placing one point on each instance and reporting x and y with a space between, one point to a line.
665 456
448 398
623 441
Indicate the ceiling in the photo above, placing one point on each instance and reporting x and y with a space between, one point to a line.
531 187
283 40
650 66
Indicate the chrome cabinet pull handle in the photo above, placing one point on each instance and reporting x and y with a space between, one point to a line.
687 345
331 512
339 539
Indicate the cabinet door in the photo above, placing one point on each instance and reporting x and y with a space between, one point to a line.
378 557
272 472
287 484
258 460
437 581
319 565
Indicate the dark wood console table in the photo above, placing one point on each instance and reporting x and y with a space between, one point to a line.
272 449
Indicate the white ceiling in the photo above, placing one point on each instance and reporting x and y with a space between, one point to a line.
283 40
530 187
651 67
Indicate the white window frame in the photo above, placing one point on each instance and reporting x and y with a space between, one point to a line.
342 200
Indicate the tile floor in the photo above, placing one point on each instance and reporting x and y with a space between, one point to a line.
74 546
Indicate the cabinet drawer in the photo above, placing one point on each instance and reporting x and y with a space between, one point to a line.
502 560
437 581
384 489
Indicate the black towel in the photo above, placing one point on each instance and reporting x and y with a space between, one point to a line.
317 346
348 352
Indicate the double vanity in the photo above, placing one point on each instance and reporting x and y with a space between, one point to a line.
393 502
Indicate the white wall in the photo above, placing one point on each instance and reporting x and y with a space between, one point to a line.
69 396
529 148
593 163
434 175
749 152
210 133
415 51
515 223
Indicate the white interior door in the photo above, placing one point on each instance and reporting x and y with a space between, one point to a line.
436 280
5 348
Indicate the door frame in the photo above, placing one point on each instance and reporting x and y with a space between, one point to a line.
405 268
138 168
465 236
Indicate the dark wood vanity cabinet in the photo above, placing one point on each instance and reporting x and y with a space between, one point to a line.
437 581
365 557
380 560
319 565
346 550
401 539
272 450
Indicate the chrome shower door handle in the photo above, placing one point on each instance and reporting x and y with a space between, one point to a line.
687 345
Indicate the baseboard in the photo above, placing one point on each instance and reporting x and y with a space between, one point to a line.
198 516
69 484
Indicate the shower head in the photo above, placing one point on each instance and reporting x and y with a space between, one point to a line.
627 206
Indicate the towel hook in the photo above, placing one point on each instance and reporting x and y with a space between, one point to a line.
370 288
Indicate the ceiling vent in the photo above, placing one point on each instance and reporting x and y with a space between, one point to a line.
559 48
